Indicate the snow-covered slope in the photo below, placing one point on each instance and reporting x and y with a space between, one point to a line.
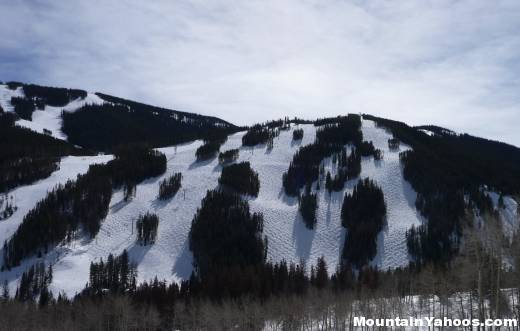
508 213
26 197
50 117
170 258
6 95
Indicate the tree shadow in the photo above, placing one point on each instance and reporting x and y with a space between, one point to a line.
161 203
302 238
136 252
378 163
119 205
183 266
380 247
219 166
291 201
296 142
197 164
251 149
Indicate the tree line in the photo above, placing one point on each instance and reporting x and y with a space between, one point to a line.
285 295
104 127
52 96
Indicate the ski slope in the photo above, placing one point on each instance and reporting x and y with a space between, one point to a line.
48 118
170 258
288 238
26 197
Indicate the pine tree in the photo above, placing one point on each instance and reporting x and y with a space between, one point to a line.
322 276
5 291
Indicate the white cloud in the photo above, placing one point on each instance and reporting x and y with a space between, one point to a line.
451 63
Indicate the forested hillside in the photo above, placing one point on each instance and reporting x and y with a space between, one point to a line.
27 156
187 214
449 173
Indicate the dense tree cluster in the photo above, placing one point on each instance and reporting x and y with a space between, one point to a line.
305 166
285 296
170 186
13 85
259 134
331 137
83 202
116 275
56 217
444 169
240 177
208 150
297 134
7 207
225 234
146 227
348 167
281 124
36 97
23 107
307 205
34 284
103 127
363 214
228 156
135 163
210 125
27 156
344 130
393 144
52 96
366 148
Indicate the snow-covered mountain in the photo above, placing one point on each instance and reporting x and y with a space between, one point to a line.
170 257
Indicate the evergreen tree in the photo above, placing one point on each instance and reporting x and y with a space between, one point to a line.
298 134
322 277
228 156
170 186
308 203
146 227
240 177
363 214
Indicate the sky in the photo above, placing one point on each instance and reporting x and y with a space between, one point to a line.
450 63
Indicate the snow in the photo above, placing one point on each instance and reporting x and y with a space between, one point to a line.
399 197
508 214
170 258
26 197
50 117
428 132
6 94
